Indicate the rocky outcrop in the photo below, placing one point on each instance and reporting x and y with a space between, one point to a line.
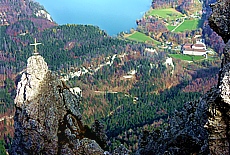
47 117
220 19
30 84
219 119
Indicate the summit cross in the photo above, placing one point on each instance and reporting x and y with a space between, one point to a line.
35 46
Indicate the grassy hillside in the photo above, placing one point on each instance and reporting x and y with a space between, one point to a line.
141 37
187 57
188 25
170 27
168 13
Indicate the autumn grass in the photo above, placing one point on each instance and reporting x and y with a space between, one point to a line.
141 37
187 57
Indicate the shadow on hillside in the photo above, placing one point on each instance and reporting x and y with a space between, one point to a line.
200 23
206 73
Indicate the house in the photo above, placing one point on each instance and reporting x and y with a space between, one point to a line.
198 48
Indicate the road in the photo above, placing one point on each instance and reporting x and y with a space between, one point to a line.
178 25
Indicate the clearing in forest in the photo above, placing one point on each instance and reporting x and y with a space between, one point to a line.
169 14
141 37
188 25
187 57
170 27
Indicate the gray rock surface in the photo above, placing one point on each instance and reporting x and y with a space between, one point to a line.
47 118
185 135
218 123
220 19
219 119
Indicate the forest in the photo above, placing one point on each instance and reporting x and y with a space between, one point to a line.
146 100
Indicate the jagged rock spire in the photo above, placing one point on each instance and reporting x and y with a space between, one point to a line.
29 86
47 117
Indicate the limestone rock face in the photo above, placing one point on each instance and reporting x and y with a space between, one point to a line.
29 86
219 119
47 117
224 85
220 19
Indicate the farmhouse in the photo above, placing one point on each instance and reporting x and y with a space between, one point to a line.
194 49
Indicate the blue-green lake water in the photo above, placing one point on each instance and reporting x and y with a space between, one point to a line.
113 16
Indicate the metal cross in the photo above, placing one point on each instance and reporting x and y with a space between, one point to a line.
35 46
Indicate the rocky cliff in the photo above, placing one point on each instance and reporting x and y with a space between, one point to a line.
47 118
202 127
218 123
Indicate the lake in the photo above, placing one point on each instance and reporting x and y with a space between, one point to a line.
113 16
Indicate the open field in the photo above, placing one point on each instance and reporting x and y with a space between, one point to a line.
170 13
170 27
187 57
141 37
188 25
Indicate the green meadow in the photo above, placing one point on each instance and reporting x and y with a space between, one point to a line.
187 57
170 13
141 37
170 27
188 25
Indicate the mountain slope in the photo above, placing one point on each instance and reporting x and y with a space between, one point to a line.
119 80
13 11
202 127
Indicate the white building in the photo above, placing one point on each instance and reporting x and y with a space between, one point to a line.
195 49
199 46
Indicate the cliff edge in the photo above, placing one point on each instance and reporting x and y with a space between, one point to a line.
218 123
